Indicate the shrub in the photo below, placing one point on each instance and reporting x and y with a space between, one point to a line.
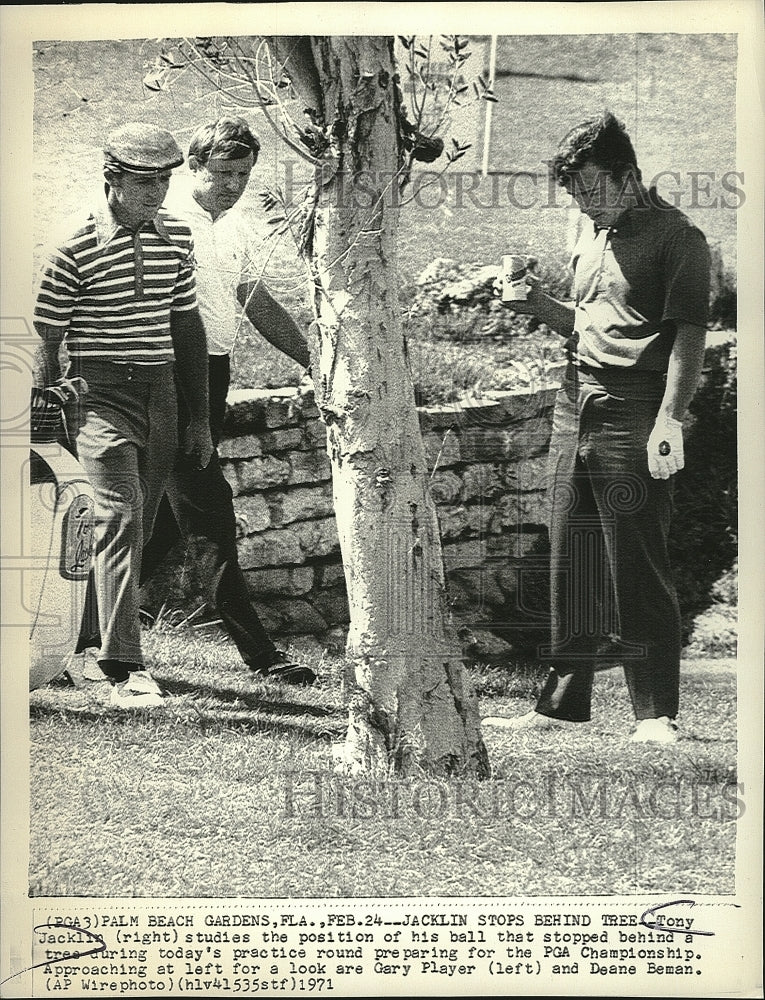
704 537
462 340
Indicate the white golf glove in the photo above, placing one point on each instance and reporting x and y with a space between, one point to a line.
665 447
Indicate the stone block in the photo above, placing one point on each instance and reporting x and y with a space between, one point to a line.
251 410
281 439
282 409
309 467
332 605
445 487
270 548
314 434
329 574
474 520
464 413
301 503
532 436
292 581
252 514
244 446
317 539
464 554
519 508
533 401
299 617
441 449
479 644
249 475
482 481
480 586
503 444
528 473
452 522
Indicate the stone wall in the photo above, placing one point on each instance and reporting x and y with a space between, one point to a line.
488 467
489 484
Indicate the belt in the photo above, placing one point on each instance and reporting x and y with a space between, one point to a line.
624 380
119 372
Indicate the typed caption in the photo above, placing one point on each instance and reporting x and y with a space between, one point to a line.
357 947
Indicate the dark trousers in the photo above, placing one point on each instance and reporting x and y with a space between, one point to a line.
198 507
612 592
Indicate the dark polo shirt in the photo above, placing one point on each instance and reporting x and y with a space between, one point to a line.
634 282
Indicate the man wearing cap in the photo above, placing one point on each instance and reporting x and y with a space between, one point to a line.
221 157
118 290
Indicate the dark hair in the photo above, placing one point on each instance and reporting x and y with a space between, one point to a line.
603 141
229 137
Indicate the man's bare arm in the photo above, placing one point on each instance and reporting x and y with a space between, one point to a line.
685 364
665 443
559 316
272 320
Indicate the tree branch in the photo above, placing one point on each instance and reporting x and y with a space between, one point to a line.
295 54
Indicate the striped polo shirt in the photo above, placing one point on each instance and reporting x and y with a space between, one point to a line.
112 290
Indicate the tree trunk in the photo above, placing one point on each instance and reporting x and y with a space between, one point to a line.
411 707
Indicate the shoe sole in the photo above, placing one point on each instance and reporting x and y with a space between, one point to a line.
660 742
287 674
133 703
499 722
296 676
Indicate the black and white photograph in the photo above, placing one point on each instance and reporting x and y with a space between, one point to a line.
382 542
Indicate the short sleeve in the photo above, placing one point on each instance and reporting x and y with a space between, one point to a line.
687 270
58 289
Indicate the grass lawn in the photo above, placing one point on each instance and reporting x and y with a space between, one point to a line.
229 790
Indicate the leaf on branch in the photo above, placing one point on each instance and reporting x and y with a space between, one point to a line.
270 199
427 148
406 41
152 82
490 97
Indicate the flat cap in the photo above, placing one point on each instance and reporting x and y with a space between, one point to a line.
141 148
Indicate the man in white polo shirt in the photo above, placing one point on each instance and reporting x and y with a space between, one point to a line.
221 157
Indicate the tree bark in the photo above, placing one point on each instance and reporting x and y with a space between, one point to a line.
411 707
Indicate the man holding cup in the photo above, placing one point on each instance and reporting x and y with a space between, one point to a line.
636 337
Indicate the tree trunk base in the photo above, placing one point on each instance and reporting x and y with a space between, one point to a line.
371 747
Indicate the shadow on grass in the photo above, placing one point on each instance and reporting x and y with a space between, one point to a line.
206 719
250 700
